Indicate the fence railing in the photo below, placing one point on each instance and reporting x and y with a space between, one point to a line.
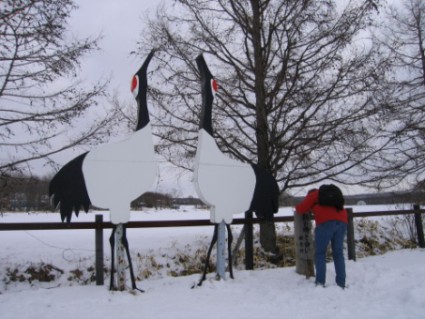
416 211
99 225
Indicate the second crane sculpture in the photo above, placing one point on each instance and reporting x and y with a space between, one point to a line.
228 186
111 176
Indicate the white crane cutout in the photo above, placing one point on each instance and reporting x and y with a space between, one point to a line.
227 185
112 175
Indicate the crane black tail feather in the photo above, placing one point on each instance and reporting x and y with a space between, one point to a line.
68 190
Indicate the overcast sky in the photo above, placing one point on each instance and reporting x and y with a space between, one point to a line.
121 24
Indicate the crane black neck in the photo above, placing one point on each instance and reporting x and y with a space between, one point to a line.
141 84
143 113
207 95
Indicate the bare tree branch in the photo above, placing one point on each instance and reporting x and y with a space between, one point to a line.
297 91
43 106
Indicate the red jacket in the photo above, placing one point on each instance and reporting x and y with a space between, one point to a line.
322 214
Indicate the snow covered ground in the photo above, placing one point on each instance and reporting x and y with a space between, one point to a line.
386 286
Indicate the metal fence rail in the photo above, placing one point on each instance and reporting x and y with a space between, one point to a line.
136 224
99 225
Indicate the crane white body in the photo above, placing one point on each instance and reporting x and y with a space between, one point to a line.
225 184
118 173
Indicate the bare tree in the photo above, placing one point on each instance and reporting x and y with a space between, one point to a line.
296 84
402 36
43 105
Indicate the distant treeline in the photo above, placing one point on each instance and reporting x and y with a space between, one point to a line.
31 194
402 197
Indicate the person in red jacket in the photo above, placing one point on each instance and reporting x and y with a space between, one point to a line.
331 227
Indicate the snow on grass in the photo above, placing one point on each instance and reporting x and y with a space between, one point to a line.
391 285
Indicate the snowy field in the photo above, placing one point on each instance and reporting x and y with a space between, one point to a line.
387 286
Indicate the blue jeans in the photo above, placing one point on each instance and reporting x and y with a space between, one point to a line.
333 232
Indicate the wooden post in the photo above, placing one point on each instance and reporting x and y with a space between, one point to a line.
351 245
304 248
249 242
99 249
419 227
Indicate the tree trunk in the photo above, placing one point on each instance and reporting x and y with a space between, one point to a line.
267 228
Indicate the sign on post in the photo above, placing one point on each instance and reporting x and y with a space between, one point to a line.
304 246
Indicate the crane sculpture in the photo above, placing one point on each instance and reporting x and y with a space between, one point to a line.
111 176
228 186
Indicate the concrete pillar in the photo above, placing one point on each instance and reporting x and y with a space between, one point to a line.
120 258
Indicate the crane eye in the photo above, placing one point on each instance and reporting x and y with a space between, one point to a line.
214 86
135 85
